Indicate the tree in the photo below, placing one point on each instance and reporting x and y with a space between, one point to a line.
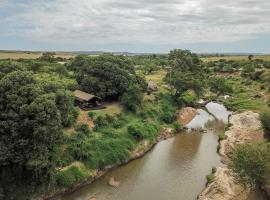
65 104
108 76
186 73
250 164
220 86
30 133
8 67
47 56
250 57
132 99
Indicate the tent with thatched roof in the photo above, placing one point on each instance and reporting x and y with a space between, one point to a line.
84 100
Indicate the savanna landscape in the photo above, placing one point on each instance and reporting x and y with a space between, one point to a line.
128 100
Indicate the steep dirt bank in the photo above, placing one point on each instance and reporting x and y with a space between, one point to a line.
141 150
186 114
245 128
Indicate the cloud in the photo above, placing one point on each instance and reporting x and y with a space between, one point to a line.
140 21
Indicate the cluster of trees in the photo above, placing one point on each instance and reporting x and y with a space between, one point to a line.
31 122
186 73
111 78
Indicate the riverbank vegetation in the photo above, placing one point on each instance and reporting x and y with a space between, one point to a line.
47 144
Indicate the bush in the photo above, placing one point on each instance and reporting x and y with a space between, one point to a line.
82 128
103 121
132 98
221 136
91 115
188 99
265 120
168 116
140 131
214 169
177 126
210 178
108 151
69 177
250 164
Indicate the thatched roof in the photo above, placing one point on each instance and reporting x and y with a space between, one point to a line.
83 96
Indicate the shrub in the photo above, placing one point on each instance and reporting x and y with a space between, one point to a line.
132 98
177 126
108 151
265 119
168 116
210 178
91 115
140 131
69 177
188 99
221 136
214 169
250 164
82 128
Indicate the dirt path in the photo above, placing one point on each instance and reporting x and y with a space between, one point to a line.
245 128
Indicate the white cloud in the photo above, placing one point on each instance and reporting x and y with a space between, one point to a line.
140 21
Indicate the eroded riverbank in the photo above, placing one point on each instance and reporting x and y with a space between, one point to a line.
244 128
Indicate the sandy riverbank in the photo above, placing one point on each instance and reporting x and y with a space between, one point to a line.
245 128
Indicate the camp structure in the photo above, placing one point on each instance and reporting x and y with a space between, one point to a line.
87 101
152 87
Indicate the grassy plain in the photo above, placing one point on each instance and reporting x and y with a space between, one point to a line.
237 58
29 55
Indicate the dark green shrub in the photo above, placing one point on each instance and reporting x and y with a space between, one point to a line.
91 115
214 169
141 130
168 116
103 121
177 126
265 120
82 128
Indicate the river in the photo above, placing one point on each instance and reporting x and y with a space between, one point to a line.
174 169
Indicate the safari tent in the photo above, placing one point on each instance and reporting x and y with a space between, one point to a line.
86 101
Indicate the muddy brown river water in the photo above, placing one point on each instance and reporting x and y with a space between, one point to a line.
175 169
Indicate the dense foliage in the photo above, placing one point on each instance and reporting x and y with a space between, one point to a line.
186 73
30 132
250 164
106 76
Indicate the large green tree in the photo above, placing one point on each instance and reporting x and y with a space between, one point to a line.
186 72
30 132
107 76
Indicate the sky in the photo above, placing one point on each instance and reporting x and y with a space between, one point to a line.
153 26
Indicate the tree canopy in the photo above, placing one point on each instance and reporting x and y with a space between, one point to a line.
186 72
30 131
106 76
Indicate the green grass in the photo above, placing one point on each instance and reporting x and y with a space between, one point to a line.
113 108
246 96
